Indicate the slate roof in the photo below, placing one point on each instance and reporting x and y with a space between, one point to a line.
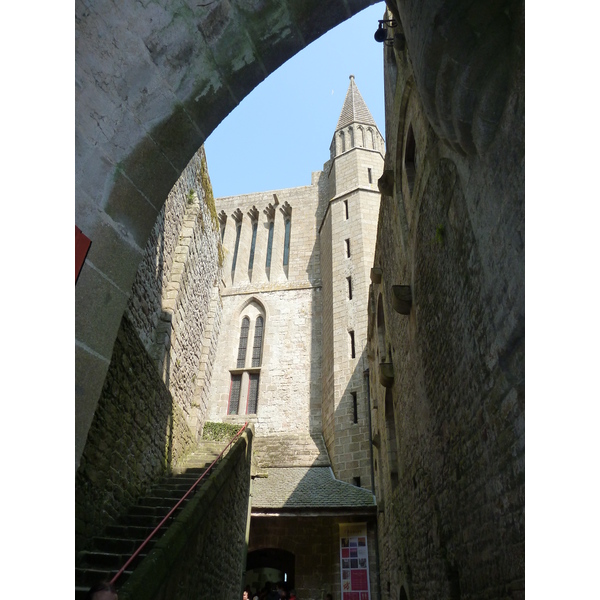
306 488
354 110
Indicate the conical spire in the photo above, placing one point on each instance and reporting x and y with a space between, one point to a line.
355 110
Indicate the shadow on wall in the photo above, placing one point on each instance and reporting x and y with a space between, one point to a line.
447 404
146 420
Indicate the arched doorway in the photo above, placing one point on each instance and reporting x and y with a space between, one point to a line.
270 565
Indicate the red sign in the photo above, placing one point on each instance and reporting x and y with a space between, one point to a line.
82 246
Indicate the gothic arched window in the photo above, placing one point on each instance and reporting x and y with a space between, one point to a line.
351 132
258 338
252 403
241 359
343 140
234 394
245 376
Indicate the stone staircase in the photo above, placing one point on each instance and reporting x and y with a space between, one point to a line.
110 551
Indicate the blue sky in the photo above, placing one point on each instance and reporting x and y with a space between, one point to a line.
280 133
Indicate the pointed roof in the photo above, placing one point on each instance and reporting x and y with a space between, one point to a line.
355 110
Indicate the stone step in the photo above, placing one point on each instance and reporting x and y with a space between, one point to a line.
108 560
120 545
154 511
157 501
142 520
121 539
193 466
87 577
169 495
135 532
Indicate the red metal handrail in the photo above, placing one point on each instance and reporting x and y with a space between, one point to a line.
143 544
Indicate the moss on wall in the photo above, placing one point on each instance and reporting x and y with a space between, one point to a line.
204 183
219 432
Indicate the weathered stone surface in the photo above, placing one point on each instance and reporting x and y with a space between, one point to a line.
154 400
152 82
315 544
202 555
450 442
134 437
402 299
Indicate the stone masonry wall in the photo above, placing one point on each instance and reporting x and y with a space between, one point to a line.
347 241
315 543
203 553
289 392
135 434
328 400
450 478
289 299
155 397
173 299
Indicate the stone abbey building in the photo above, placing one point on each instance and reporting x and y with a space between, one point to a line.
369 327
291 353
280 336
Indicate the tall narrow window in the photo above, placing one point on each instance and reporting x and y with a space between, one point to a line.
343 141
349 279
355 406
238 231
348 248
258 340
410 166
270 244
352 346
286 243
346 207
390 426
253 245
253 394
241 359
234 394
370 175
351 131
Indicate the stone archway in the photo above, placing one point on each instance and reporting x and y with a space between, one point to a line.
274 559
152 82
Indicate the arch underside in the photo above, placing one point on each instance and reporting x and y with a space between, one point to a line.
153 81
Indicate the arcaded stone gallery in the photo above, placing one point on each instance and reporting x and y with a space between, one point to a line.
320 386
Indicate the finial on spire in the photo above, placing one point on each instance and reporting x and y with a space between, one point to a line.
354 109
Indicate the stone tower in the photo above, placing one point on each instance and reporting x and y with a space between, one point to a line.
347 240
291 356
300 259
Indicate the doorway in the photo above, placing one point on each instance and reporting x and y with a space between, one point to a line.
270 565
